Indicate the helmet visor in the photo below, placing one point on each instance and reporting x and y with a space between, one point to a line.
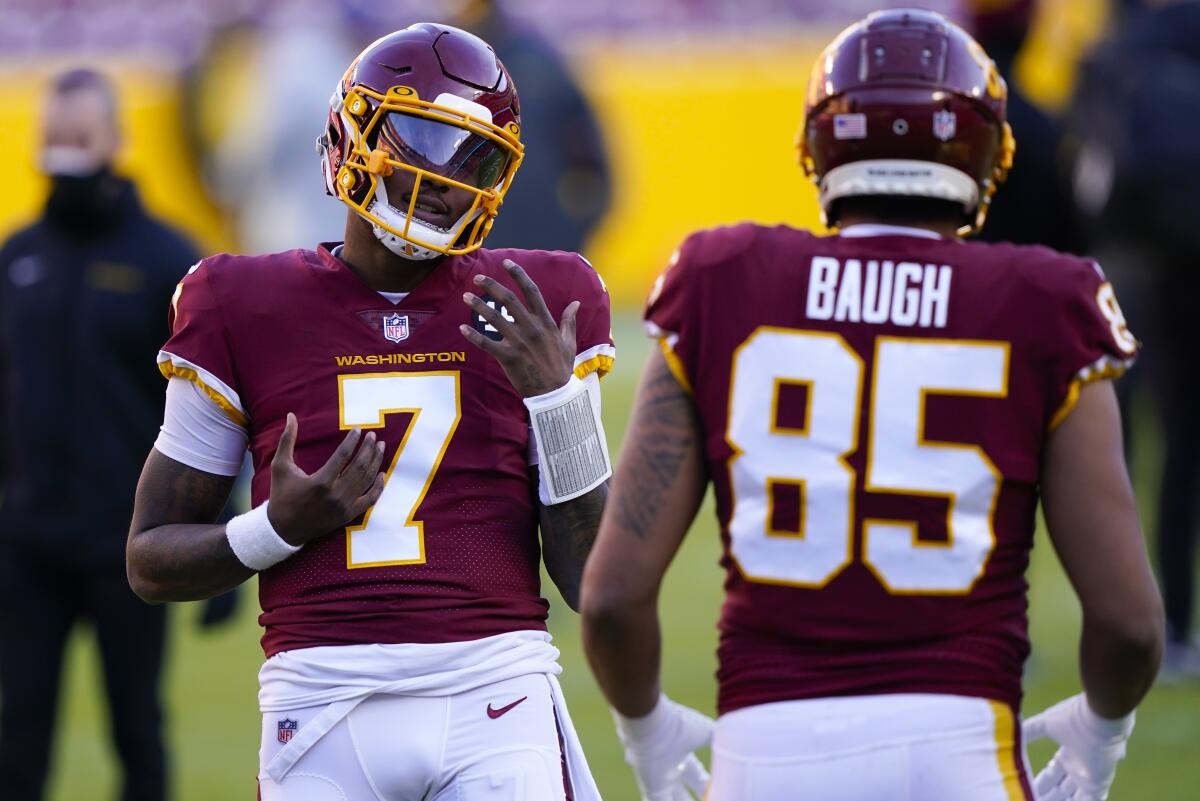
444 149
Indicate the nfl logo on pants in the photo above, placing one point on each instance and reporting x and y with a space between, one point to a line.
287 730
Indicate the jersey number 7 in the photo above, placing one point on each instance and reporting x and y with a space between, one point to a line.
390 534
899 460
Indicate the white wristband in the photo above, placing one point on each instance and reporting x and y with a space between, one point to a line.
254 541
1105 728
649 727
571 447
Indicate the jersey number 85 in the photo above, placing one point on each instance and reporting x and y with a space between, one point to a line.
900 460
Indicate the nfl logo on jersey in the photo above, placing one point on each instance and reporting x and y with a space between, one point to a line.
287 730
395 327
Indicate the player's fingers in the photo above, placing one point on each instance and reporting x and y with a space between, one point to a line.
502 295
1068 790
341 457
534 301
368 498
570 317
695 776
1034 728
374 463
485 344
1057 793
1050 778
380 452
287 441
489 313
1050 788
358 475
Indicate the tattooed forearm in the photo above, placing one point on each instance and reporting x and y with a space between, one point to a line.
175 552
657 488
664 437
568 532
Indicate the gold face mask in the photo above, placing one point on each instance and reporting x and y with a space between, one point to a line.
429 174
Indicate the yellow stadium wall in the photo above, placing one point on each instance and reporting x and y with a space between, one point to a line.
699 136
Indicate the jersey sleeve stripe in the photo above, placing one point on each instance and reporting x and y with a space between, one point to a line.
1066 406
1104 367
598 359
221 394
674 364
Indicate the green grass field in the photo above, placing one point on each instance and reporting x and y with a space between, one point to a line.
214 722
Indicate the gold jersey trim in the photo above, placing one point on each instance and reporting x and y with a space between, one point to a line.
170 370
674 364
1110 370
600 364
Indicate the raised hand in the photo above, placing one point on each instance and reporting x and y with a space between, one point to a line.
304 507
537 355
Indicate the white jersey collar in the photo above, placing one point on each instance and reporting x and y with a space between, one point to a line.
878 229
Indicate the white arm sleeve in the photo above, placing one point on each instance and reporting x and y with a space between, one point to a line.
592 381
197 433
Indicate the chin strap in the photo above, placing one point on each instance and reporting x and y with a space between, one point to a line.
384 210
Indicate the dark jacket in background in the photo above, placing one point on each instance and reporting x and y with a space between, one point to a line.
1033 207
564 186
82 316
1134 122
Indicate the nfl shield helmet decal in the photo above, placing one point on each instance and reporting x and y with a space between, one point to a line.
945 125
287 730
395 327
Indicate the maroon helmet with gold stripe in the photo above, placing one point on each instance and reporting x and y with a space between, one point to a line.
435 102
906 103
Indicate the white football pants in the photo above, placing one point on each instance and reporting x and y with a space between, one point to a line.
496 743
870 748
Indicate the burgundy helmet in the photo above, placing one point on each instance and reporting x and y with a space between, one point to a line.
436 102
906 103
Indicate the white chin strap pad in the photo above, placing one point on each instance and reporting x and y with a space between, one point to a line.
385 211
399 245
899 177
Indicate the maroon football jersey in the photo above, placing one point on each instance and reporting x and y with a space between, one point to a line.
450 551
874 411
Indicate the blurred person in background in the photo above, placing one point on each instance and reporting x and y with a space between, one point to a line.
81 297
1035 207
565 185
265 181
1134 123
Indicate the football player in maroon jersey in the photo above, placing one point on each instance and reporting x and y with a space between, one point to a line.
416 409
880 413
